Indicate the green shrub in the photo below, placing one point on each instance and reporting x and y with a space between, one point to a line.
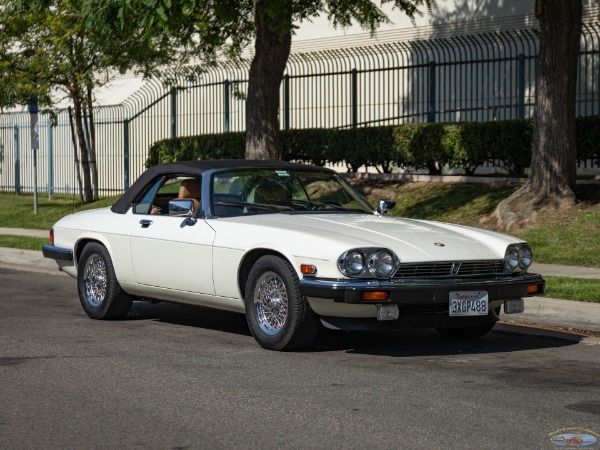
587 137
467 145
421 146
377 146
309 146
512 145
430 146
206 146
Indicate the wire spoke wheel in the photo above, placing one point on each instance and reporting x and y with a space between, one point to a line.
279 316
271 303
100 294
94 278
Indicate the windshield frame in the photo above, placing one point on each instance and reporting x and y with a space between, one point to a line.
209 179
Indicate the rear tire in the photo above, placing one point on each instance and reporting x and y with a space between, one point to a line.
278 316
100 294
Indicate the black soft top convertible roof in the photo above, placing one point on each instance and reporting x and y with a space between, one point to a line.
197 168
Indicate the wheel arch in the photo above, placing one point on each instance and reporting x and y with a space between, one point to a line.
81 245
249 260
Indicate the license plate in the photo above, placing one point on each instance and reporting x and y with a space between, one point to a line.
468 303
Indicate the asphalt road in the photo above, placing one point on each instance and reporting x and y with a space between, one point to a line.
179 377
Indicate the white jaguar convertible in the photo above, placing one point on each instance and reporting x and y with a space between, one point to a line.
293 247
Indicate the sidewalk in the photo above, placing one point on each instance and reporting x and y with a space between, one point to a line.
25 232
538 310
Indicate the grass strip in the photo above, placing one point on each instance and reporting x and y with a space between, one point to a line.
17 210
22 242
580 289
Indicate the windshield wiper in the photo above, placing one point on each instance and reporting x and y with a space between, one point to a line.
265 206
316 205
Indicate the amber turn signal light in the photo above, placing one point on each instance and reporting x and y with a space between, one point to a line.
533 289
308 269
375 296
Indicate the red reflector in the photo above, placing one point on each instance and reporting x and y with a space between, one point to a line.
52 236
375 295
533 288
308 269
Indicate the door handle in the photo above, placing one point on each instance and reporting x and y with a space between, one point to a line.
145 223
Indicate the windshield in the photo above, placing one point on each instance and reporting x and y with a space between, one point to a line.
264 191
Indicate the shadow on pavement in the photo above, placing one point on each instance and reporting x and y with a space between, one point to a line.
191 316
397 343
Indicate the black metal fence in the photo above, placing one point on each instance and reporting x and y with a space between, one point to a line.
480 77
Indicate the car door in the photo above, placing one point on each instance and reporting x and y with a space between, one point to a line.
169 251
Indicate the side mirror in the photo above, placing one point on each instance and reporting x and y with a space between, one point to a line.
384 205
183 208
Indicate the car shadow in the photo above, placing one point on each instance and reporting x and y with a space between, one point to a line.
504 338
191 316
428 342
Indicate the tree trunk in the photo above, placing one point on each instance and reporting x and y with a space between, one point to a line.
85 162
75 152
273 20
91 135
553 168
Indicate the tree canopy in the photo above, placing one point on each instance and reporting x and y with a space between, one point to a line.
48 49
205 29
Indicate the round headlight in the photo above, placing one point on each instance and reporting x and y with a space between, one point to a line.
511 259
381 264
352 263
526 257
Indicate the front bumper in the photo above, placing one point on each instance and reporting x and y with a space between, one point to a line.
421 292
421 303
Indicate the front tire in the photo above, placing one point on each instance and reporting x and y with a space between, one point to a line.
278 316
100 294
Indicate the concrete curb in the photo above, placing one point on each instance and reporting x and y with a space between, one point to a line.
25 232
26 259
555 270
560 313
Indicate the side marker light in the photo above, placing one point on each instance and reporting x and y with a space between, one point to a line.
308 269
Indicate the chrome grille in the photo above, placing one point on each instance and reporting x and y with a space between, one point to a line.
450 269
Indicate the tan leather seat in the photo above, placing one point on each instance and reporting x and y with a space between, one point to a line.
190 190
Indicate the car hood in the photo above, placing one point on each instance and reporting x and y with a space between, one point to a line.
412 240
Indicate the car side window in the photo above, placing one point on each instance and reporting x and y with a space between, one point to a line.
156 199
145 204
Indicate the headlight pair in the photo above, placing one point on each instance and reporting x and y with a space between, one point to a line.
518 257
368 263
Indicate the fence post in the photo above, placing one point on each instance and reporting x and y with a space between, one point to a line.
50 162
226 106
174 112
126 152
286 102
17 162
432 80
354 98
521 91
